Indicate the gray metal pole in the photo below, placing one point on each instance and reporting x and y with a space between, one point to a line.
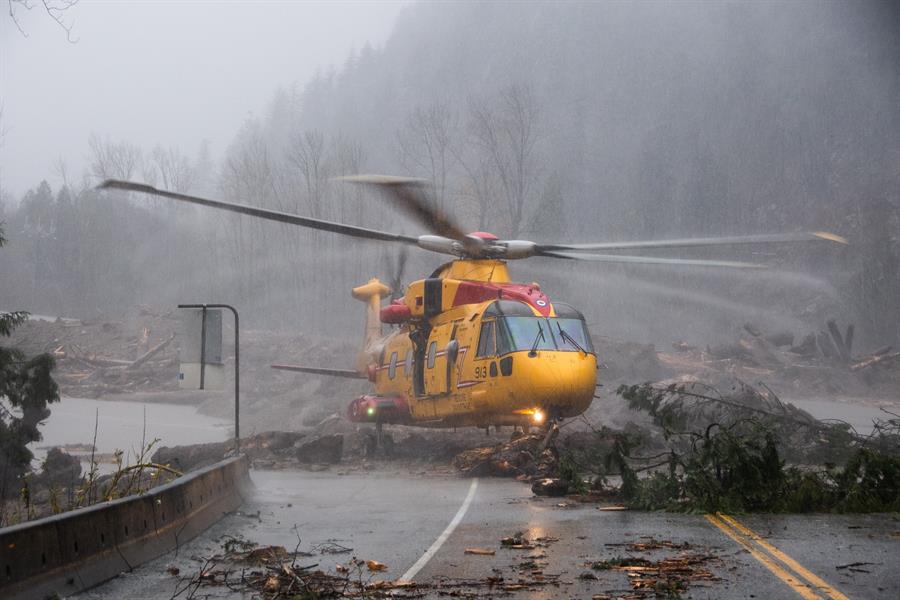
203 349
237 363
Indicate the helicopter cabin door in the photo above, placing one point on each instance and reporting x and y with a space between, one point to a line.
440 359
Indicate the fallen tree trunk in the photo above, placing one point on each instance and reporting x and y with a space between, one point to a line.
99 361
873 360
151 352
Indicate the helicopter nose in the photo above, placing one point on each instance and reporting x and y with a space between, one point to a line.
560 383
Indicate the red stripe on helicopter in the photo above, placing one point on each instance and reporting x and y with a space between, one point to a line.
473 292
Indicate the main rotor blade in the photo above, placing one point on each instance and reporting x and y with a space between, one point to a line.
410 196
396 281
347 373
263 213
765 238
650 260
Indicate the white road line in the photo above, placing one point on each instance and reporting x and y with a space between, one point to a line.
423 560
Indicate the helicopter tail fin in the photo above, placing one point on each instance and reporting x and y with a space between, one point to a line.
371 293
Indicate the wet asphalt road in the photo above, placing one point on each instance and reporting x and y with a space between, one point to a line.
395 519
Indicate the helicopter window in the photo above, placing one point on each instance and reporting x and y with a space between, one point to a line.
487 345
508 308
392 369
571 334
566 311
432 352
524 333
407 364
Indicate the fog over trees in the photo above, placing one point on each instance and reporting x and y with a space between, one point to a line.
572 123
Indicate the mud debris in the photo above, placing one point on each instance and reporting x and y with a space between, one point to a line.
651 543
273 572
374 565
665 577
528 456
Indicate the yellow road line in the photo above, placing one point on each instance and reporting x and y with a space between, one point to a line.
799 569
795 584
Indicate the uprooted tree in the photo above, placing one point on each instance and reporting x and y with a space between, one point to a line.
728 454
26 388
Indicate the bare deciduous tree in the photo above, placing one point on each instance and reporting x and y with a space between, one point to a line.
507 134
173 168
428 145
56 9
113 160
306 153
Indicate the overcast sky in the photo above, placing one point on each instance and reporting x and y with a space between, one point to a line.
170 73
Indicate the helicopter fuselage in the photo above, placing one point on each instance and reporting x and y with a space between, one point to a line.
470 348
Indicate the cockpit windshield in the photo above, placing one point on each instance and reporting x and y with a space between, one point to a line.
572 333
538 333
524 333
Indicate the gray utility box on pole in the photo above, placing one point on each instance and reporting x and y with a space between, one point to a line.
201 350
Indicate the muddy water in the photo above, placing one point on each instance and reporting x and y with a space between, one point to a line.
120 426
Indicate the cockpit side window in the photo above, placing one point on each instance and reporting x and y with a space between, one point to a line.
487 340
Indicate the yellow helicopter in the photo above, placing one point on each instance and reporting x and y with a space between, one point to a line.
471 347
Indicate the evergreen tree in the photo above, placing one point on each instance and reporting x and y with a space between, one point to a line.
26 387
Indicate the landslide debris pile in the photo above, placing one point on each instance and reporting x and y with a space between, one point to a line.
333 442
137 351
528 456
128 353
818 362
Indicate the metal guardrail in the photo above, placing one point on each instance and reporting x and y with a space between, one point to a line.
73 551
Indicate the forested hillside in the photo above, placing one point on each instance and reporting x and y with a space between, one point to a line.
547 121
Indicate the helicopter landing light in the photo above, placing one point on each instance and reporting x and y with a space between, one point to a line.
536 414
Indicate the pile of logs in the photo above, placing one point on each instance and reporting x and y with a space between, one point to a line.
764 353
828 343
109 375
